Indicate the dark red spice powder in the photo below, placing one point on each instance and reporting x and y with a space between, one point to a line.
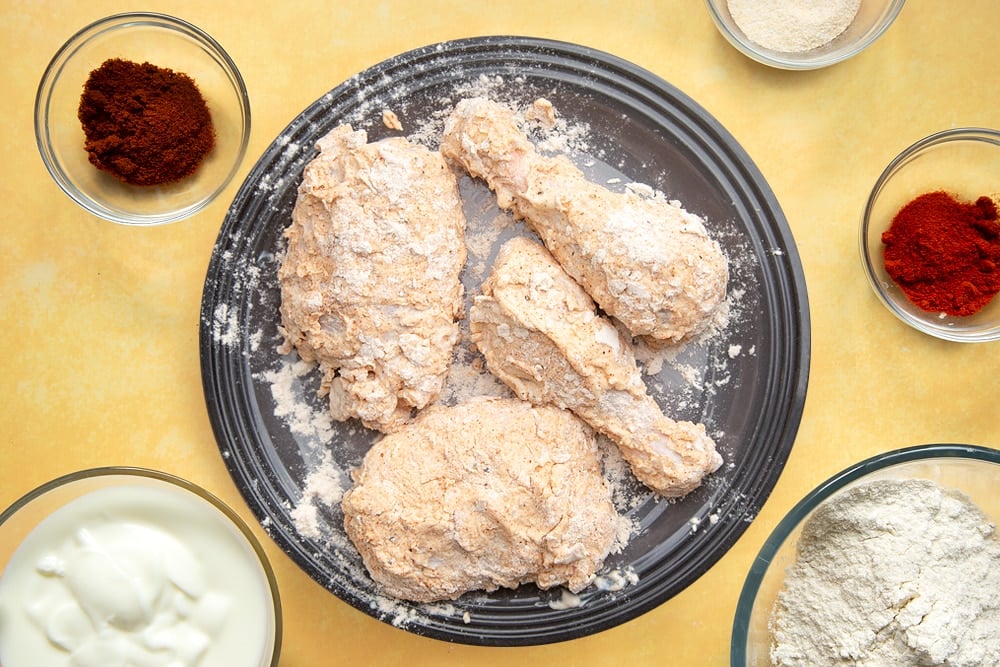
144 124
945 253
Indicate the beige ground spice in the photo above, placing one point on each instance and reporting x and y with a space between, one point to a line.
792 26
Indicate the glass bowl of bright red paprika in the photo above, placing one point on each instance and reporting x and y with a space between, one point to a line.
930 235
142 118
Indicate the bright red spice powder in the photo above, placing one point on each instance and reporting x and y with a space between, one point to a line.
944 253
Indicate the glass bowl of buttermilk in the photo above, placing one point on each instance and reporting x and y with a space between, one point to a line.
142 118
893 561
130 566
930 235
802 34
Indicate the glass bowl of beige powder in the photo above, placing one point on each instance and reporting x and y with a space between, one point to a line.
802 34
894 561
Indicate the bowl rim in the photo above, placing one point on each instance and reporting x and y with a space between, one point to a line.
971 133
791 519
185 485
46 85
777 60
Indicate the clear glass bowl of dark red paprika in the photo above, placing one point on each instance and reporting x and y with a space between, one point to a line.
930 235
142 118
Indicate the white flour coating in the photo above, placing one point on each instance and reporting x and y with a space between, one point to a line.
901 573
370 276
793 26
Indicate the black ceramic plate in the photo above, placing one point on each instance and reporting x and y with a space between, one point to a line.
747 383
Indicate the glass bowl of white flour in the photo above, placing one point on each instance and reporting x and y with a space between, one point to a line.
802 34
893 561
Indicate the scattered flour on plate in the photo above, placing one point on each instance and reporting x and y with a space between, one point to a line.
324 487
290 405
226 325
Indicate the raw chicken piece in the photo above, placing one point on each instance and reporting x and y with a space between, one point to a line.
492 492
370 278
540 334
645 260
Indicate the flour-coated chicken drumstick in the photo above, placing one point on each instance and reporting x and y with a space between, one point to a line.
645 260
540 333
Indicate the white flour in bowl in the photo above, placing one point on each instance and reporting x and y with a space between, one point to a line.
793 26
892 573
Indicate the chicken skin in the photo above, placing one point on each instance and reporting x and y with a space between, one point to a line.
370 278
541 335
646 261
488 493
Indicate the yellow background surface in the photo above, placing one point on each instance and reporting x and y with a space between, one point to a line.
99 329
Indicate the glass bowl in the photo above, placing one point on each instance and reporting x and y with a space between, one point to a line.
873 18
166 42
973 471
964 162
109 557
